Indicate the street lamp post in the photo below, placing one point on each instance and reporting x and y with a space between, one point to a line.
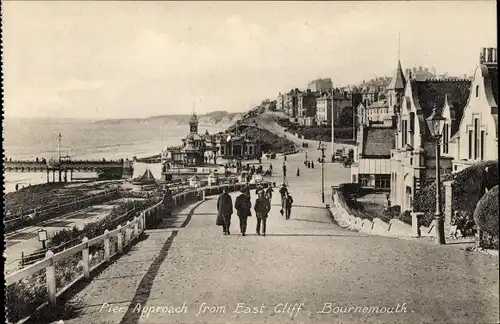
59 137
322 148
436 124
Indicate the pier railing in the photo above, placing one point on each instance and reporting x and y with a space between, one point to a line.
112 243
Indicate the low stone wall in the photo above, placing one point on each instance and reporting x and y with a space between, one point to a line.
376 226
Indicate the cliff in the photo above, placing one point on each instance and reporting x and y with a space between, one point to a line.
214 118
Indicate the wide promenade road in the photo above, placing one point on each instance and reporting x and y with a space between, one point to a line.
307 261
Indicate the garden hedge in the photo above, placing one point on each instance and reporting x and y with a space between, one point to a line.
468 188
486 218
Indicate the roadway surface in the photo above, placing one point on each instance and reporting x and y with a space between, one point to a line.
308 261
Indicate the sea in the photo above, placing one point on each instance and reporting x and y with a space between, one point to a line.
29 138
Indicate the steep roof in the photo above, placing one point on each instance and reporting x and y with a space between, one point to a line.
379 104
147 177
432 93
378 142
398 81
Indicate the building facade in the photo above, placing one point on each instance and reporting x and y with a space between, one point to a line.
193 149
320 84
477 136
196 150
375 138
237 146
306 105
413 159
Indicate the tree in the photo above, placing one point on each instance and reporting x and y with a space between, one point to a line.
345 117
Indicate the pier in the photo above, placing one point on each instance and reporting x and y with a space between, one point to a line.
60 169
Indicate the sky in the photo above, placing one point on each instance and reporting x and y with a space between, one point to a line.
137 59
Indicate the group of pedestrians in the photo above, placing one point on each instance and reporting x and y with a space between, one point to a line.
243 206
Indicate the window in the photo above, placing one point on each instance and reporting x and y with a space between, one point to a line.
364 180
445 138
405 132
476 138
382 181
477 91
470 145
482 145
412 122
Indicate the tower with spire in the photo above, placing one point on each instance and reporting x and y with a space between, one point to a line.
395 91
193 123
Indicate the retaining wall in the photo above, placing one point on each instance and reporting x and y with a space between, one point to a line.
395 227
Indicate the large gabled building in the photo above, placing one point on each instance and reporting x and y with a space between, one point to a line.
477 136
413 159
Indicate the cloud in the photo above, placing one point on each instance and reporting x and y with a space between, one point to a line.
132 59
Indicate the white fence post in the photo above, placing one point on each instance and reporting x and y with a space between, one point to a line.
143 215
136 226
51 279
106 246
139 222
119 239
86 261
204 195
127 233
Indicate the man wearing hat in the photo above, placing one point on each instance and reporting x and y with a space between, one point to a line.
224 211
262 207
243 207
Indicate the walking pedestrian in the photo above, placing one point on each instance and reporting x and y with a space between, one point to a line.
283 190
224 211
261 208
287 204
269 192
298 172
243 207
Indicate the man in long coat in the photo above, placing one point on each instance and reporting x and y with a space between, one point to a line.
224 211
243 207
262 208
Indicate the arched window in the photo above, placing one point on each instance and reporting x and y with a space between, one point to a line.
477 91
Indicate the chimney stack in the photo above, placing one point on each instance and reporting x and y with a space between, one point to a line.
482 55
420 68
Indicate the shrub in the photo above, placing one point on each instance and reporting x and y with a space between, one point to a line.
486 218
392 212
469 186
405 217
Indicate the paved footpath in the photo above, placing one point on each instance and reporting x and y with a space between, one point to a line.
194 274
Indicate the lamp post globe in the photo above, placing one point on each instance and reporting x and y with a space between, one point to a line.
436 122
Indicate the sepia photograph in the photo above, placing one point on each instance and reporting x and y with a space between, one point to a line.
240 162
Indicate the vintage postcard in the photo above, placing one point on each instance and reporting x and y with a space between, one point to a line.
250 162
